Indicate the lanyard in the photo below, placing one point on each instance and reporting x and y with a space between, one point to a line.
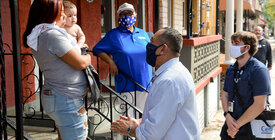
236 79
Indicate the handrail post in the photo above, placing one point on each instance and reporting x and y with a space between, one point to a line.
134 111
189 19
111 103
17 69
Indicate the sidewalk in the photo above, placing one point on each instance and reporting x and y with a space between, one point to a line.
212 131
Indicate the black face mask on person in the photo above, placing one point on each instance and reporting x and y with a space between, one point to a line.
151 57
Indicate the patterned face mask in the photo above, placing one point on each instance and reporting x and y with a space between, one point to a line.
126 21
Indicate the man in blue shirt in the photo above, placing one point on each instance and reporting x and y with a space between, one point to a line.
127 45
170 111
246 87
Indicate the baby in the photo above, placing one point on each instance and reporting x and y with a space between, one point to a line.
71 27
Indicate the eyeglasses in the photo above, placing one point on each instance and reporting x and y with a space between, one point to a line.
124 13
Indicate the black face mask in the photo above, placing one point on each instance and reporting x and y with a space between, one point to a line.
151 57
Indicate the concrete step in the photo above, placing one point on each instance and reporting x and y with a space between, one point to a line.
106 136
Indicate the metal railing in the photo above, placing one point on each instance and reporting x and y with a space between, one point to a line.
20 104
115 103
104 109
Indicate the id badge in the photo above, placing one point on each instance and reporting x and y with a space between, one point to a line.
230 106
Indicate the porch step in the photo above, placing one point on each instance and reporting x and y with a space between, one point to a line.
38 120
107 136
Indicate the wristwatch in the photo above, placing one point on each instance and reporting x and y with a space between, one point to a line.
225 113
128 131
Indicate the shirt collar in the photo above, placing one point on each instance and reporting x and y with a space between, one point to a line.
261 38
166 65
246 64
124 30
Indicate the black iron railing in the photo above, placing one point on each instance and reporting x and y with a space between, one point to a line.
114 99
104 110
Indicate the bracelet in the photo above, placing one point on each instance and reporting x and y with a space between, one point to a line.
128 131
225 113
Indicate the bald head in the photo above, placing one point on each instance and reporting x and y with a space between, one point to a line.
258 32
172 38
169 43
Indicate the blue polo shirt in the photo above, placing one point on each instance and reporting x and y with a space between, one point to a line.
129 53
254 81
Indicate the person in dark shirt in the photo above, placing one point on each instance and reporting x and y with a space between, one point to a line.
247 85
264 53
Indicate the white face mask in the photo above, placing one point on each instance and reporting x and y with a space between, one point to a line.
235 51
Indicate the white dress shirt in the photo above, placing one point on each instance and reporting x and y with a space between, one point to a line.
170 111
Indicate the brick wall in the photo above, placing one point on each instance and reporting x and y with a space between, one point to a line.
163 16
177 14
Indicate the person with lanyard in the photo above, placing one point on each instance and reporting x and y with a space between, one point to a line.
246 87
127 46
264 53
170 111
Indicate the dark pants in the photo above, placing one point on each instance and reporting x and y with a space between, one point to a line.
243 136
240 137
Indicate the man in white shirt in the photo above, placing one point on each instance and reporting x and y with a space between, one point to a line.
170 111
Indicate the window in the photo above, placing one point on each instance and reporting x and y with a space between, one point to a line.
107 16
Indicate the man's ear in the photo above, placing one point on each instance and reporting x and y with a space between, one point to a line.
247 47
164 49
